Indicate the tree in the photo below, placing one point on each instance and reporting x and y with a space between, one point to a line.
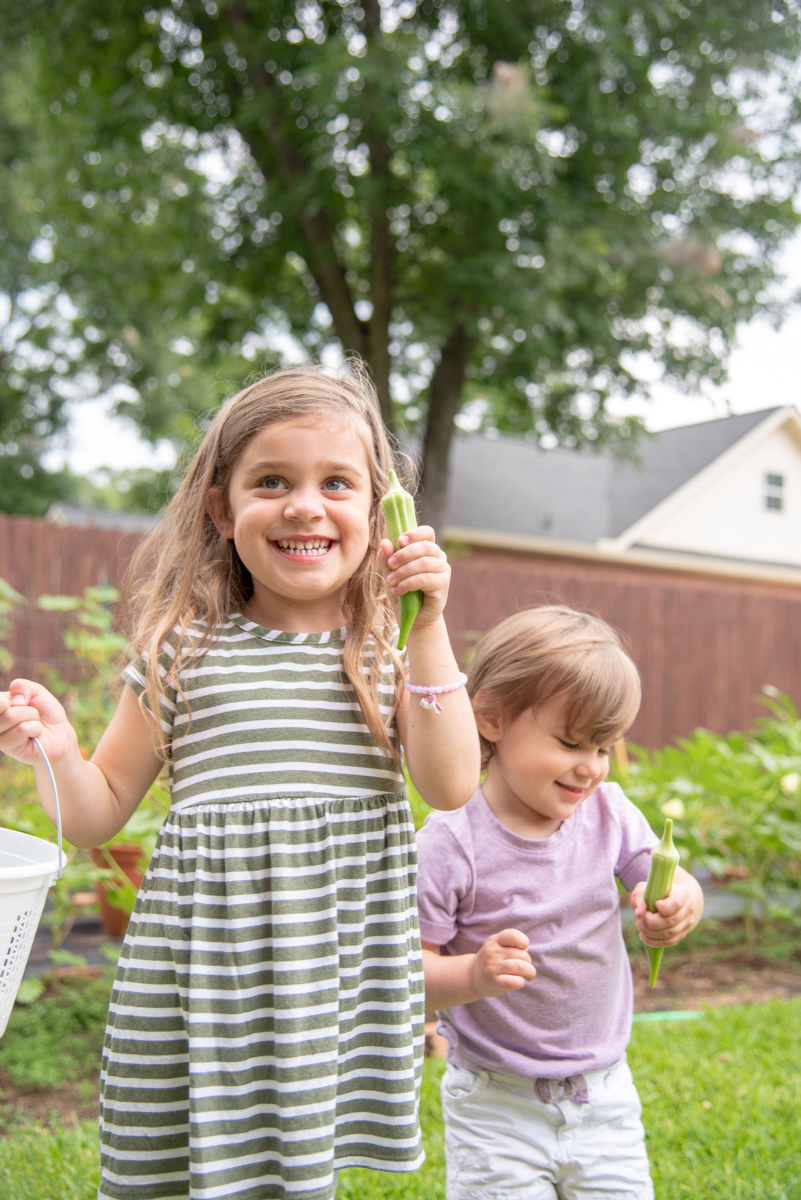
499 206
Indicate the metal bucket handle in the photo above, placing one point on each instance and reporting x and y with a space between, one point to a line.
46 761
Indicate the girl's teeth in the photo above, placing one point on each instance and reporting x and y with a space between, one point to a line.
310 548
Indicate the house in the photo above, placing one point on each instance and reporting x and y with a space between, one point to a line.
692 549
727 491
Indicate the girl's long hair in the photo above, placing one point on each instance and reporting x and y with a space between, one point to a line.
187 574
549 652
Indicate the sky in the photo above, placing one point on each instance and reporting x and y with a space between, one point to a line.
764 372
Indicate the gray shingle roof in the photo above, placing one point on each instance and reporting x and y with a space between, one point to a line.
504 484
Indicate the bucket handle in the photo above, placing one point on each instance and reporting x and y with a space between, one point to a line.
46 760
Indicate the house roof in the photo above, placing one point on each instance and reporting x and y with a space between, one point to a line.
509 485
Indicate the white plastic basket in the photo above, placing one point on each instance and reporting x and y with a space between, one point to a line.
29 866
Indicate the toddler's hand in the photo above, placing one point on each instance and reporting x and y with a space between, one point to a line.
676 915
419 564
502 964
27 711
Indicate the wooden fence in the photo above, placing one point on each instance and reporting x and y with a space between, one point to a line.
40 558
706 644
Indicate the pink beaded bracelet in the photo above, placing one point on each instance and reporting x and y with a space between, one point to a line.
428 693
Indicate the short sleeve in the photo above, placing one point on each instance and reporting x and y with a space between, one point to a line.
637 840
445 878
134 674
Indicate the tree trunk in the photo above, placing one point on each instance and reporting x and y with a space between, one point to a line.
445 400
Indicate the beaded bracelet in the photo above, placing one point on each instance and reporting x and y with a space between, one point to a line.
428 693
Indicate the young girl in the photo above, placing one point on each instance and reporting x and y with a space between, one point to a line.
266 1025
520 918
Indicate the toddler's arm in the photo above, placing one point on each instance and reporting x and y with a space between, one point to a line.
502 964
96 797
677 914
441 748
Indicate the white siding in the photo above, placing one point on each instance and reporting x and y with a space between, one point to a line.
723 513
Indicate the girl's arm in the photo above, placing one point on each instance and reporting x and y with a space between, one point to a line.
503 964
441 747
96 797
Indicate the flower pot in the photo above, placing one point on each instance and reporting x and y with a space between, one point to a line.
127 861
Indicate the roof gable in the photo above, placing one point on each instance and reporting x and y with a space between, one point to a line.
668 460
506 485
722 510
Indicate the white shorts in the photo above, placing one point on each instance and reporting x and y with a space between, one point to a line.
503 1141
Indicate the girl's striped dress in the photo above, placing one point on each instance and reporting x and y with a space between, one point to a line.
266 1023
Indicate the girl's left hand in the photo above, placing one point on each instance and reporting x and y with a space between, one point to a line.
676 915
419 564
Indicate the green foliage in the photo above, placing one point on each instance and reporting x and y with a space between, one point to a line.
735 802
499 204
60 1036
99 648
95 643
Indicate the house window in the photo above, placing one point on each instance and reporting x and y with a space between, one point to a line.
774 492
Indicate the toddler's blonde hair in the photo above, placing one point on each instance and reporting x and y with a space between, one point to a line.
549 652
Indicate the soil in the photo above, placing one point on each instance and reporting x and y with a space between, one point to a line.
695 979
708 977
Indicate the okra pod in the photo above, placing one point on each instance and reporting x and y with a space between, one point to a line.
664 860
399 514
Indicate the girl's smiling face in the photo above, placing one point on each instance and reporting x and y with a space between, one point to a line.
538 775
297 508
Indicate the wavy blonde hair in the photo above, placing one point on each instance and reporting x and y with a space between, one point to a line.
185 572
549 652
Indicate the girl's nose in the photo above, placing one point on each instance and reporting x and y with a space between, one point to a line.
304 504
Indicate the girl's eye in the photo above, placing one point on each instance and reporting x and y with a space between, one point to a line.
271 483
570 745
337 485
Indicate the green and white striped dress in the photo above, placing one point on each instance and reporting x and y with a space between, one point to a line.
266 1024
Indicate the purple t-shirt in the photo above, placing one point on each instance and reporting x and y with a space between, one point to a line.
476 877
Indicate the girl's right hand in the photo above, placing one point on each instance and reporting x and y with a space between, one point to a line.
502 964
27 711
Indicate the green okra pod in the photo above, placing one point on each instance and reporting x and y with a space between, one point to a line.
399 514
664 860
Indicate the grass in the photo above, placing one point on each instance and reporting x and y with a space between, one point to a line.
720 1096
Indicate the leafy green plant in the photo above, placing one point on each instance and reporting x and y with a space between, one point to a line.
735 802
59 1037
98 648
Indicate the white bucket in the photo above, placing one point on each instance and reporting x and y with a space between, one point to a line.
29 866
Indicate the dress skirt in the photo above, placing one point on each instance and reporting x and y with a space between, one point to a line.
266 1023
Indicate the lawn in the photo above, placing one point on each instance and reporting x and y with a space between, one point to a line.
721 1094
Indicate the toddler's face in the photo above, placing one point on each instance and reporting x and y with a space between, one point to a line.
538 775
298 510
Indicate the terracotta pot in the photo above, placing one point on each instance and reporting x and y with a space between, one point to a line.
130 860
